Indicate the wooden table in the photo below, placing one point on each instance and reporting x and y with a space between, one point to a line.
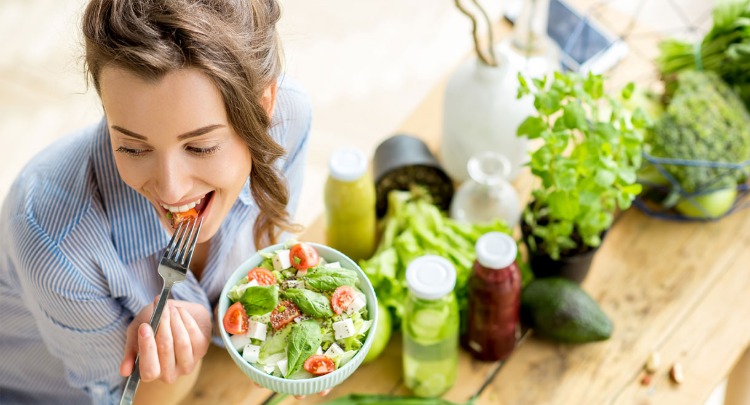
682 289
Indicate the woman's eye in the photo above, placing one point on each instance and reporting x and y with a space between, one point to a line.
131 151
202 151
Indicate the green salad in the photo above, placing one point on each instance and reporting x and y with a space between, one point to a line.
295 315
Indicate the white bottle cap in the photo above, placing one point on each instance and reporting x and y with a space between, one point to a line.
496 250
347 164
430 277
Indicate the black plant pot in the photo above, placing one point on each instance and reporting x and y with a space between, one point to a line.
573 267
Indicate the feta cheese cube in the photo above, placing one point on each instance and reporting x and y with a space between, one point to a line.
240 341
257 330
356 305
282 365
343 329
243 287
301 273
293 284
319 351
334 350
250 353
281 260
269 368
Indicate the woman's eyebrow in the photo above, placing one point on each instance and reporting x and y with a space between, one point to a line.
190 134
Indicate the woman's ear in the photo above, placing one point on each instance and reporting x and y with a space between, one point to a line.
269 98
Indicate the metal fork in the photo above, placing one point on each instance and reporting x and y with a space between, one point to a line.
173 268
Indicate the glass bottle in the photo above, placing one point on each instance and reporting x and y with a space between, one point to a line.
350 204
488 195
494 290
430 327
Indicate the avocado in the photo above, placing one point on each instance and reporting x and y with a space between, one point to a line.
558 309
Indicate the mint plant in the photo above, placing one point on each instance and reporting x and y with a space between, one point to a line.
587 162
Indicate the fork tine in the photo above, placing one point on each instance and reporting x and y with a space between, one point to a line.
174 242
174 250
191 242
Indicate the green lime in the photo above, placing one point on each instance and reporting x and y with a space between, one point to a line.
382 334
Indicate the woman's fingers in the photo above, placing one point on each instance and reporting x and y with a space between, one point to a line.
183 348
165 346
198 340
148 355
324 392
131 350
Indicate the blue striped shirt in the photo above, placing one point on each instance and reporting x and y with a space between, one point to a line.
78 257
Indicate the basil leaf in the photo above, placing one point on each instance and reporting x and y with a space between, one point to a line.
260 299
328 278
303 342
309 302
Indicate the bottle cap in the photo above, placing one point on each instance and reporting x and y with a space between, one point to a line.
430 277
496 250
347 164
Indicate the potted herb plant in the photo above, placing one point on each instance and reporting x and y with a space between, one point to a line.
586 166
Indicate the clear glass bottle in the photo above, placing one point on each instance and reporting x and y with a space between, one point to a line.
488 195
430 327
350 204
494 291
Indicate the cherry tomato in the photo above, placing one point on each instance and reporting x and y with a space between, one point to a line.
284 313
176 217
262 276
317 364
303 256
342 298
235 320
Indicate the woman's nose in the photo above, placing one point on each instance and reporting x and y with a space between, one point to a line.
172 179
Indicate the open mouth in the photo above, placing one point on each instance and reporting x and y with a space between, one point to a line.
175 215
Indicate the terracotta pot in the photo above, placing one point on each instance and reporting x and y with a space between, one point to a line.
573 267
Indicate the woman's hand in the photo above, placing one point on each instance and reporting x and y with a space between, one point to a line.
180 343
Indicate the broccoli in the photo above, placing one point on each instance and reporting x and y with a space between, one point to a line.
704 121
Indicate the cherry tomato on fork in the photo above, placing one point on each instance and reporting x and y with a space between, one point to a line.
262 276
303 256
235 320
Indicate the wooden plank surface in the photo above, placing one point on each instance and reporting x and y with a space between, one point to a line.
672 287
676 288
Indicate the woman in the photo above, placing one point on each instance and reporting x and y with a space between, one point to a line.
196 115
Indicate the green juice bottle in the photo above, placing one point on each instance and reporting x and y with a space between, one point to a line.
350 204
430 327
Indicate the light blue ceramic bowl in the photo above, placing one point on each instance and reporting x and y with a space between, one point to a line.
311 385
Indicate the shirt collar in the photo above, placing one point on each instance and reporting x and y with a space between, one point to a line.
246 196
135 228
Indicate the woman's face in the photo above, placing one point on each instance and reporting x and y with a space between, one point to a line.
173 143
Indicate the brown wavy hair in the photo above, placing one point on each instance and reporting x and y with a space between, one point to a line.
234 42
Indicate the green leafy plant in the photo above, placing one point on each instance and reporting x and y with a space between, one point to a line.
587 162
725 49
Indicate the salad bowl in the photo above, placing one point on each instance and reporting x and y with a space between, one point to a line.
303 386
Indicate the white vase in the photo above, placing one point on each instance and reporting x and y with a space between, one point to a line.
481 113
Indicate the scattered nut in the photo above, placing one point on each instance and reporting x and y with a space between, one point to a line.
653 363
646 380
676 373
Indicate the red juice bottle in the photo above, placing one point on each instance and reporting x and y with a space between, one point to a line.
494 299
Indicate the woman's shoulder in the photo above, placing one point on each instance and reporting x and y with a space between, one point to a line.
293 104
292 114
54 189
